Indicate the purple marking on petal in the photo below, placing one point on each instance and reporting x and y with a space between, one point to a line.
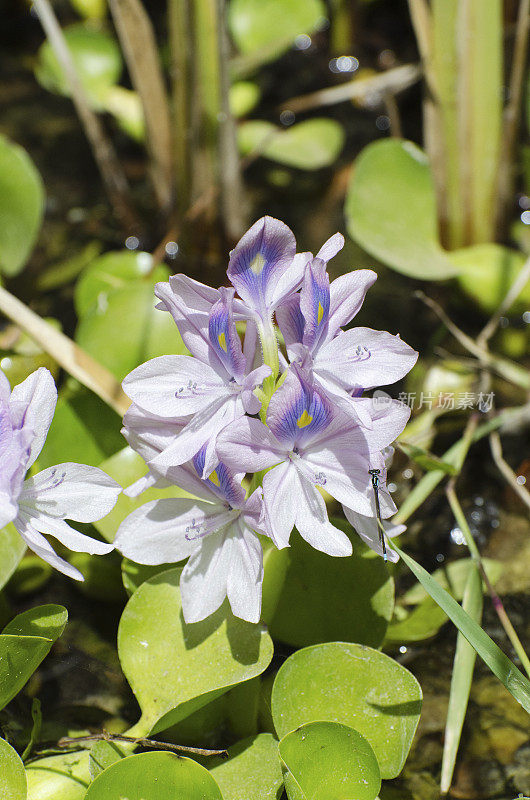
297 410
314 302
223 335
259 260
221 481
291 320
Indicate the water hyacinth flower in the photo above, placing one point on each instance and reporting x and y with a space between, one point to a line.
342 362
40 505
367 529
310 445
217 533
207 391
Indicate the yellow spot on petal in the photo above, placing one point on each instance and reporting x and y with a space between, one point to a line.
222 341
257 264
304 419
214 478
320 313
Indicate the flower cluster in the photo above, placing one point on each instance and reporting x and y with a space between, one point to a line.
294 420
41 504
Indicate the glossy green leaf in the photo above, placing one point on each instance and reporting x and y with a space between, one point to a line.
154 776
207 658
271 26
501 666
461 679
119 324
312 144
424 621
391 210
62 777
103 754
12 548
31 575
486 272
21 206
96 56
327 599
126 467
24 643
13 785
252 771
73 434
329 761
356 686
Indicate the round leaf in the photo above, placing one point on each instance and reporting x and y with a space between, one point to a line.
253 770
325 599
13 784
207 658
64 776
272 26
12 548
119 324
96 57
24 642
154 776
329 761
21 206
391 210
486 272
312 144
353 685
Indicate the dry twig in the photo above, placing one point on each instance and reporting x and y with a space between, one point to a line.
72 741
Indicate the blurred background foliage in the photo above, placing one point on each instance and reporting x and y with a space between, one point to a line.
139 140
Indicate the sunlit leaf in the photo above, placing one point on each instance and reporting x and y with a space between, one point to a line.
126 106
63 776
353 685
271 26
244 96
312 144
252 771
103 754
154 776
119 324
12 548
13 785
207 658
21 206
486 272
24 643
329 761
326 599
501 666
96 56
391 210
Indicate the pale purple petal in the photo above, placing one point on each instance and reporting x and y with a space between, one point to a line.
313 524
169 530
368 530
290 320
223 483
224 337
247 444
314 303
32 406
72 539
73 491
297 410
192 293
259 260
344 476
254 379
147 433
203 582
347 295
290 281
174 386
245 578
42 548
280 497
8 509
364 357
330 248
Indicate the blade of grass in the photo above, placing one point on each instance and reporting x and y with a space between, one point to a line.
461 679
501 666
